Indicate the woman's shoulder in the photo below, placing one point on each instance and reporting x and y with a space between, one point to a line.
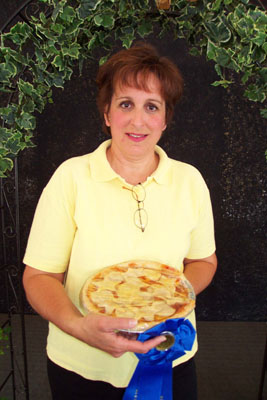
71 171
81 161
186 169
188 176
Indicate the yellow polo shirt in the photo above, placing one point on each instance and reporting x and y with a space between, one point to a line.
84 221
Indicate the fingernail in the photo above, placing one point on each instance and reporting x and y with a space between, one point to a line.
132 323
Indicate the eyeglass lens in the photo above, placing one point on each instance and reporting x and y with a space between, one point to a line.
139 193
140 215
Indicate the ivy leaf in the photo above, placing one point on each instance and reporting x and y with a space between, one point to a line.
263 113
5 73
263 74
105 20
246 76
58 28
216 5
125 35
127 41
264 47
222 56
122 7
31 93
92 42
261 20
17 58
225 83
28 106
244 57
219 32
145 28
72 51
254 93
43 19
103 60
245 27
57 9
26 121
19 33
8 113
58 78
211 50
21 28
258 55
219 71
14 144
194 51
25 87
72 28
6 164
4 134
10 65
59 62
86 7
68 14
259 39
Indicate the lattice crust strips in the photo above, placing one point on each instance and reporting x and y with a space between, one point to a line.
148 291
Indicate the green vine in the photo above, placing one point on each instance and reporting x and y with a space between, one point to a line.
4 336
231 33
3 339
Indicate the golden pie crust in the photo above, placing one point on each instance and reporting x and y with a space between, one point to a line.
147 291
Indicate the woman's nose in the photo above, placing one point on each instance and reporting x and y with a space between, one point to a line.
137 118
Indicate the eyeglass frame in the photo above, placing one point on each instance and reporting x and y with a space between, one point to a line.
140 209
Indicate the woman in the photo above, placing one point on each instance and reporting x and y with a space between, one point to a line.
84 222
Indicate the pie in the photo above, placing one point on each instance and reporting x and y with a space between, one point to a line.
147 291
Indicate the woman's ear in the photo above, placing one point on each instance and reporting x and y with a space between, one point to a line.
106 117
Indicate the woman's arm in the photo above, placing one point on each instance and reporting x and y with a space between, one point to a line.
200 272
46 294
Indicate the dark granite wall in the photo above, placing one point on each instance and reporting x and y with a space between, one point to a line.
216 130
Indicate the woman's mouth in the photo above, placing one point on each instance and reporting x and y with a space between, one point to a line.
136 137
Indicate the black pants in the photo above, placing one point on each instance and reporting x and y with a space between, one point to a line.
67 385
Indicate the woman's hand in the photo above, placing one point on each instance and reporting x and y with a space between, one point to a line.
47 296
101 332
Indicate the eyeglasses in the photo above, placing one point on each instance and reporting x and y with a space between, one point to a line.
140 215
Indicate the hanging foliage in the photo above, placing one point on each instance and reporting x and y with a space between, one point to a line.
4 332
231 33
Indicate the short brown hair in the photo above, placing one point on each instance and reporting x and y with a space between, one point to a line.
132 67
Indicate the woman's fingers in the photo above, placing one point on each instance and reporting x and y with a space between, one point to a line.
102 331
143 347
117 324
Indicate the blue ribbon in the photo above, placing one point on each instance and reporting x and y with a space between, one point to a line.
152 379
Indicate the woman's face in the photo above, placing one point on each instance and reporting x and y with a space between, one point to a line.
136 119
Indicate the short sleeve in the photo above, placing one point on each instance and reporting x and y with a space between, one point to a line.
53 228
202 240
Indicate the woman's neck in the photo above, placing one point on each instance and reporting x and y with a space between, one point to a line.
134 171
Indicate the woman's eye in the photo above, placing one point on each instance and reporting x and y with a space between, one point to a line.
152 107
125 104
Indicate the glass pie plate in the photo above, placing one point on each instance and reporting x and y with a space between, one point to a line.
147 291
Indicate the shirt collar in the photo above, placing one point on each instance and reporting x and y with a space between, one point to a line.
102 172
